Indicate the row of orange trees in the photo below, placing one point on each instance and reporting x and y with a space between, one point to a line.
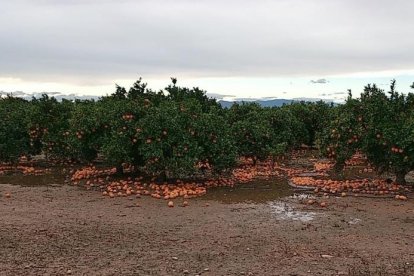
178 132
378 124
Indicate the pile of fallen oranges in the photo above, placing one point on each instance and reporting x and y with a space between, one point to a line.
316 179
92 177
321 184
27 170
323 166
91 172
357 186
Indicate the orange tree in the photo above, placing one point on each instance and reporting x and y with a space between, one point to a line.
49 126
342 136
210 129
179 94
380 126
123 137
14 137
250 129
213 135
87 128
287 131
313 116
123 113
165 135
168 147
286 128
262 132
178 136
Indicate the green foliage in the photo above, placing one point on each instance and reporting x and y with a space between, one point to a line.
313 116
86 129
262 132
251 131
128 126
14 137
215 140
168 139
378 125
287 129
166 135
49 125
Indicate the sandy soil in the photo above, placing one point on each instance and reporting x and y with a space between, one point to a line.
61 230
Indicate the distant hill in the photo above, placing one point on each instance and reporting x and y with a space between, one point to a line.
264 103
224 103
270 103
59 96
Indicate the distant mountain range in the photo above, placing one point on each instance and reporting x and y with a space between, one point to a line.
57 95
271 103
265 102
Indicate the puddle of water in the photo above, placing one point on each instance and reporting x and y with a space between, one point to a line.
283 211
303 196
258 191
352 173
48 179
354 221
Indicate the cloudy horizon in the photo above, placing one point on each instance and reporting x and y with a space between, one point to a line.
280 49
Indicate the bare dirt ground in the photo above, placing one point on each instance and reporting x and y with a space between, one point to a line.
61 230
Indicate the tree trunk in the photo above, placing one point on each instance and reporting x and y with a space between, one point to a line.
164 175
400 178
119 170
272 163
338 167
254 161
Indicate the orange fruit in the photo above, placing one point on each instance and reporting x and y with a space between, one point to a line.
310 202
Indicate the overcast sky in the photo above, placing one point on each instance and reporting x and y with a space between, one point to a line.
280 48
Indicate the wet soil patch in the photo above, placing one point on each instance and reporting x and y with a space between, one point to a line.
54 177
257 191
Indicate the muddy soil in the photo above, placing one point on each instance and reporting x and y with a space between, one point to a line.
65 230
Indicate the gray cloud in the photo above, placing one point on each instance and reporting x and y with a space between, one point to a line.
93 42
321 81
333 94
219 96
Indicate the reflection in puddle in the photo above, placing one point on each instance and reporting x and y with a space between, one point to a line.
284 211
258 191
